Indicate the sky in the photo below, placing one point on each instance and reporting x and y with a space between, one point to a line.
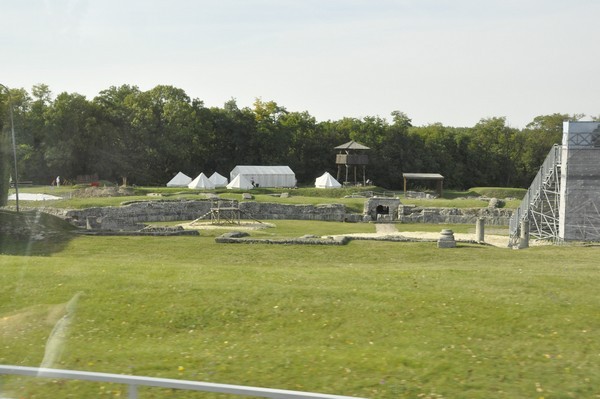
453 62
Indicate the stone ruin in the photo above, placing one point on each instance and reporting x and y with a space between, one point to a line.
381 209
134 216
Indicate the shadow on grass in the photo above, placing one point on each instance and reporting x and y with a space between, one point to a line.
463 245
33 233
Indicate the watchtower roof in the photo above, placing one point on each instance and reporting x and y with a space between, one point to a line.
352 145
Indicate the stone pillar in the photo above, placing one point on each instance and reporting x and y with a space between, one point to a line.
446 239
524 238
480 230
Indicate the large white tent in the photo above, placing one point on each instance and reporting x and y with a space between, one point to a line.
201 182
180 180
327 181
218 180
240 182
266 176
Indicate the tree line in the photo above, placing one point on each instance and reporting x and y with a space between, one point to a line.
148 136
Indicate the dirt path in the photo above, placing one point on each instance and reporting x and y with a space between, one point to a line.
385 228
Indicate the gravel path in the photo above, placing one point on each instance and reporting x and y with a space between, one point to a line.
389 229
385 228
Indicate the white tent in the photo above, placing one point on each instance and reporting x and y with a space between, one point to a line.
201 182
180 180
326 181
218 180
240 182
266 176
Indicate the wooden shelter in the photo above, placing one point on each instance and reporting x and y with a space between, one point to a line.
352 155
425 176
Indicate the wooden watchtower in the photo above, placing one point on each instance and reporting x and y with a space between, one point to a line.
352 155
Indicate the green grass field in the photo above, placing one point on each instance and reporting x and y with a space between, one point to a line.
371 319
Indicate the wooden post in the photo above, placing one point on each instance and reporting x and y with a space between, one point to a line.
364 175
346 173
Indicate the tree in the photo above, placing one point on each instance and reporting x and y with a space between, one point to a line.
272 138
161 125
540 135
310 150
5 152
230 133
33 133
441 153
71 138
122 148
392 151
494 149
11 110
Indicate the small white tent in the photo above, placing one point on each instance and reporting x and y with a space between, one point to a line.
266 176
201 182
180 180
326 181
218 180
240 182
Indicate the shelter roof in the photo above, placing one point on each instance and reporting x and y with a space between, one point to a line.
263 169
423 176
352 145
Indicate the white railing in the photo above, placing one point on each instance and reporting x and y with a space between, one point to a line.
134 381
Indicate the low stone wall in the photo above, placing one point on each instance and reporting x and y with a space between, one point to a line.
32 225
132 216
140 233
263 210
237 238
492 216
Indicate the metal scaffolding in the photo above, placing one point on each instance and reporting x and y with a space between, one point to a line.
541 203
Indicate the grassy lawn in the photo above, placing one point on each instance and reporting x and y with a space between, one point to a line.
371 319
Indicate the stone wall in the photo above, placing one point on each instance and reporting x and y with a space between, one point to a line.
492 216
263 210
242 238
372 209
132 216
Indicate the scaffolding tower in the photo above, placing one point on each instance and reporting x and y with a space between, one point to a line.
222 212
563 202
540 205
